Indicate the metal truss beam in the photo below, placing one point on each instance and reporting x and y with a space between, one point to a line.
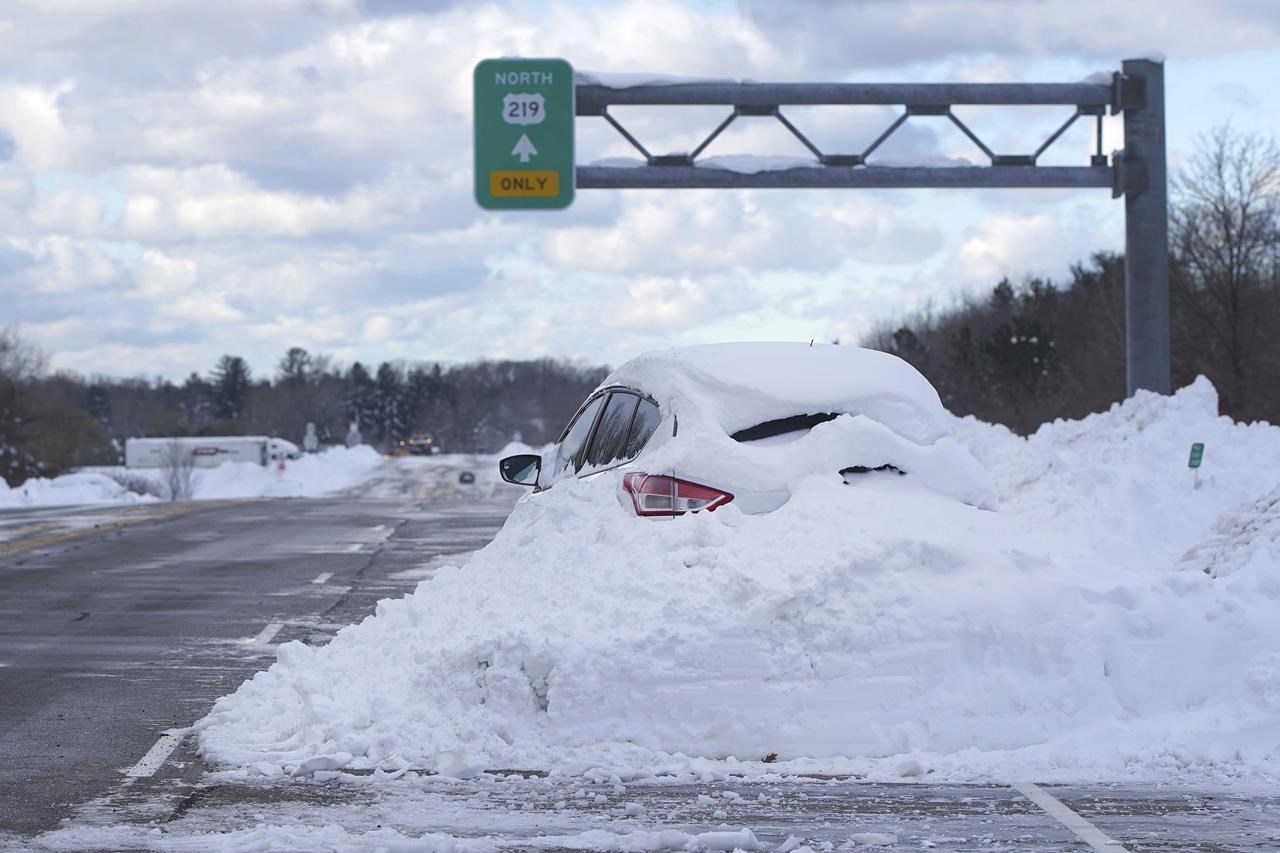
1137 174
846 177
672 171
593 99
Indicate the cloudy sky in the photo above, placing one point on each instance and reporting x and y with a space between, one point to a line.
181 179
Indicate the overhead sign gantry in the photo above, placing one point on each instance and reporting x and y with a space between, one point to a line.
1138 173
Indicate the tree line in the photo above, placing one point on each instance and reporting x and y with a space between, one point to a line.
1028 353
50 423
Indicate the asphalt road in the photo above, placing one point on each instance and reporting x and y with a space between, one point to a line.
112 634
118 625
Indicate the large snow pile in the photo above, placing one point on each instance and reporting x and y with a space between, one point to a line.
877 628
333 470
83 487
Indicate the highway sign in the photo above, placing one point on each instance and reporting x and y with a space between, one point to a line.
524 133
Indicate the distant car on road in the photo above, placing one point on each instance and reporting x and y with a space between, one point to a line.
415 446
696 428
466 477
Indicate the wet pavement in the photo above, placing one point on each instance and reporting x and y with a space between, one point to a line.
117 624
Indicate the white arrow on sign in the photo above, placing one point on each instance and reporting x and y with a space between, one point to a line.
524 149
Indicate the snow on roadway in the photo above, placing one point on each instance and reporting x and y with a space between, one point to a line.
878 629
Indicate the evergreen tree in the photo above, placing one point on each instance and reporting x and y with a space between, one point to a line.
393 405
362 402
197 402
230 387
295 367
98 405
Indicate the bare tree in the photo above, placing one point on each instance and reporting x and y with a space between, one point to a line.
1225 235
19 360
20 365
179 462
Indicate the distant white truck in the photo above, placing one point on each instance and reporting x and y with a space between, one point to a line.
209 451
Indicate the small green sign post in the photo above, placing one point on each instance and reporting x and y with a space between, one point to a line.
524 133
1197 453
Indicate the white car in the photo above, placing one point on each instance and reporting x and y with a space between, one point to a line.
695 428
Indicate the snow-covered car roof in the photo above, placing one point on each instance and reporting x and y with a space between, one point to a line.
738 385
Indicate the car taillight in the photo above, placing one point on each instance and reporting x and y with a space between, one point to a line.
653 494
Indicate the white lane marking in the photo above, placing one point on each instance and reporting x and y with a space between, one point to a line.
1085 831
323 577
157 754
267 633
378 528
353 547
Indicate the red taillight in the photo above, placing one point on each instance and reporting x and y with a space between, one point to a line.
653 494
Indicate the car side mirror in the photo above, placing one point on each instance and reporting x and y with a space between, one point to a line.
522 469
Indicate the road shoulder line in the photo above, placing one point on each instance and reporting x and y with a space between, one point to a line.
157 754
1055 808
267 634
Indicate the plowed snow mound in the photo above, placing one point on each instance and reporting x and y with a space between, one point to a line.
853 627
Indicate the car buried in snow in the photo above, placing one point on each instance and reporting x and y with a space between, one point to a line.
696 428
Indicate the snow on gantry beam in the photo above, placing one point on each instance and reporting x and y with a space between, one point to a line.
866 177
592 99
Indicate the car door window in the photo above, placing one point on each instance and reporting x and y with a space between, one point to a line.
568 455
642 426
612 430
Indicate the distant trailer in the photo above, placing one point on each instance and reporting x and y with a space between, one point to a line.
208 451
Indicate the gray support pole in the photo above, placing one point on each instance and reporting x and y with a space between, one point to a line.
1146 232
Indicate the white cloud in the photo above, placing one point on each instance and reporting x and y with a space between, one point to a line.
1044 243
70 211
62 265
163 276
714 231
842 37
33 116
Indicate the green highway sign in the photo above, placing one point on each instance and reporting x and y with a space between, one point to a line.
524 133
1197 453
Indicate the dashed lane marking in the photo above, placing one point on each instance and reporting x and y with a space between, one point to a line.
1085 831
354 546
267 634
323 577
157 754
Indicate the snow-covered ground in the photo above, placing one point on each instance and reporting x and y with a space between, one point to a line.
1110 622
81 487
334 470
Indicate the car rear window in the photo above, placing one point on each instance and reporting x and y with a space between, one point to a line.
611 433
782 426
642 426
